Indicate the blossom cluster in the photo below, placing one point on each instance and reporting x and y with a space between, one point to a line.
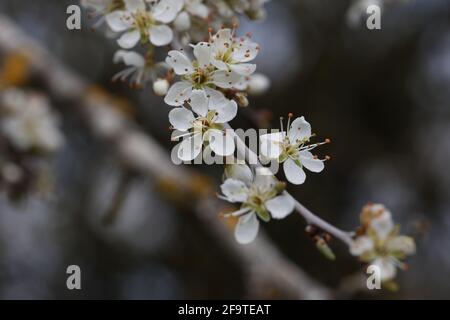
205 77
159 23
29 131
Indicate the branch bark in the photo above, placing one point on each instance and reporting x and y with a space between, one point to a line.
269 273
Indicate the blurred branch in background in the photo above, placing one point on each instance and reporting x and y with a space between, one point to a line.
267 272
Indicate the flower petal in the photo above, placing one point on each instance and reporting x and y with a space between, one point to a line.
161 35
221 142
308 161
264 179
402 244
134 5
361 245
199 102
119 20
225 79
181 119
247 228
222 40
215 97
178 93
197 8
300 130
131 58
382 225
244 69
225 111
234 190
270 145
190 147
240 172
294 173
129 39
179 62
166 10
245 51
387 268
280 207
202 52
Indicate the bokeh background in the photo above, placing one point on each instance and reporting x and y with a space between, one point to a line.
381 96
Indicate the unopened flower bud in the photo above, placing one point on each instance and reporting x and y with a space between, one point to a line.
258 84
160 87
182 22
242 99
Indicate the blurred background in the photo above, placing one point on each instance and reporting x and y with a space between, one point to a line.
381 96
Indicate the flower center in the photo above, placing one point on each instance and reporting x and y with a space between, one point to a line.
200 77
143 20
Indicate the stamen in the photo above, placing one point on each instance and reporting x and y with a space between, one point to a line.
290 115
281 124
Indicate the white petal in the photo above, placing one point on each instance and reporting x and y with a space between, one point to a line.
244 69
246 228
215 97
387 268
402 244
166 10
179 62
182 22
382 225
161 35
119 20
181 119
279 207
360 245
308 161
134 5
225 79
219 64
245 51
197 9
129 39
202 52
190 148
234 190
132 58
222 40
240 172
300 129
225 111
199 102
294 174
270 145
258 84
222 143
178 93
264 179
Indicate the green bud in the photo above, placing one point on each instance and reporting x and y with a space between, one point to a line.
324 249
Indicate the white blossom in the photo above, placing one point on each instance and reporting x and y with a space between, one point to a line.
144 25
292 149
380 244
139 70
203 124
219 63
259 197
28 123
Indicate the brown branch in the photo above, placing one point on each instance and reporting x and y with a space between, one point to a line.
269 273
